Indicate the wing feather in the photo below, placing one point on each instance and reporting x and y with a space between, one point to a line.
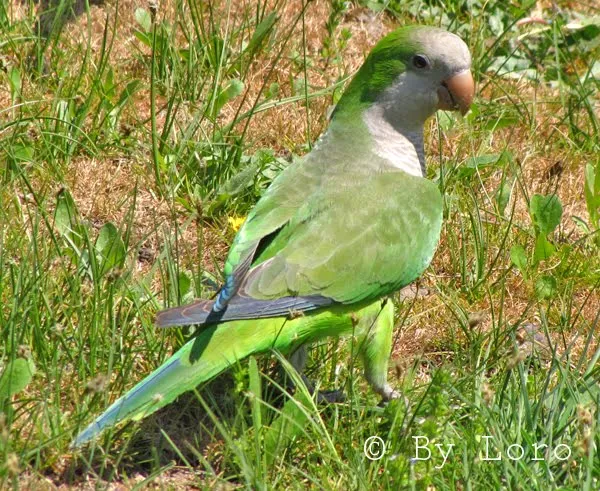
361 241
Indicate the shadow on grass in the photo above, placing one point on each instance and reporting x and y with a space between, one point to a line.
179 441
176 436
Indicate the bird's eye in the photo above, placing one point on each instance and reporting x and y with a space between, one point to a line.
420 61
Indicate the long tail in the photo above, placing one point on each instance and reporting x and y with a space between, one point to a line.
217 347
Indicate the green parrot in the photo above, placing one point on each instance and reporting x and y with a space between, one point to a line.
352 222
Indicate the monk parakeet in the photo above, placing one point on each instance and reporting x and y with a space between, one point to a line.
354 221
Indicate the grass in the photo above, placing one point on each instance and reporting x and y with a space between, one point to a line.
133 139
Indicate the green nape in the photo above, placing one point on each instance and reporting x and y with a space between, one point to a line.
386 61
212 351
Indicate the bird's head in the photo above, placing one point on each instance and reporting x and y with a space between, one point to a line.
411 73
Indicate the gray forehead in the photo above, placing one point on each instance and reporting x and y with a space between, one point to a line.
445 48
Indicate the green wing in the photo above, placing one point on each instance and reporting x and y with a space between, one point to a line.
299 184
277 206
359 239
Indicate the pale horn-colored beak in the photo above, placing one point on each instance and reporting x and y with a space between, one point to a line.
457 92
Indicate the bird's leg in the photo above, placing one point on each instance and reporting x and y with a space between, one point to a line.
298 361
375 346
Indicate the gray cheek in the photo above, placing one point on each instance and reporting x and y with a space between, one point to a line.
426 100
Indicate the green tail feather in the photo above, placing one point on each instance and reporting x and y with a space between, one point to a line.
219 346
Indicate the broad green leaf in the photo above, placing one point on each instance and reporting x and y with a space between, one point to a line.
109 84
502 195
14 80
584 32
473 164
240 181
183 283
374 5
15 377
546 212
65 214
512 66
545 287
495 21
144 19
543 249
108 234
110 248
144 38
234 89
20 153
518 256
272 91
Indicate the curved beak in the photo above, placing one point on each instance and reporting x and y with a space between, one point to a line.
457 92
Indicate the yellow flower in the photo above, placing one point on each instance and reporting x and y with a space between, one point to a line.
235 222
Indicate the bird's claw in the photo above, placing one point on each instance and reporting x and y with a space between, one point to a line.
388 394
